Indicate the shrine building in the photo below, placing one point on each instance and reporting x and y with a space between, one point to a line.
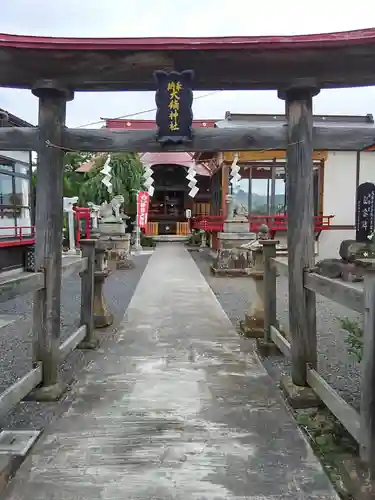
337 175
171 202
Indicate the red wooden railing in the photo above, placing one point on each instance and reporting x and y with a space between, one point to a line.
215 223
22 235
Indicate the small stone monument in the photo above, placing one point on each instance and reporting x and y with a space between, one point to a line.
363 245
232 258
112 228
354 253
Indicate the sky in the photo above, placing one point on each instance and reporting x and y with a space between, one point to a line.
143 18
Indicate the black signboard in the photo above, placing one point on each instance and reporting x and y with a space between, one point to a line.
365 212
174 100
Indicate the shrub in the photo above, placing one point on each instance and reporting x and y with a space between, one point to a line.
194 239
354 340
147 241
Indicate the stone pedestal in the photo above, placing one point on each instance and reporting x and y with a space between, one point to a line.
117 242
232 258
238 224
111 227
120 252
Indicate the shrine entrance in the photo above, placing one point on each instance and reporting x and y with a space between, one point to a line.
296 67
170 205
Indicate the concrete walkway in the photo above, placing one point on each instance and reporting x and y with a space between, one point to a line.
173 410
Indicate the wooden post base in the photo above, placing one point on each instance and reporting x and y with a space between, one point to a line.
252 327
88 345
299 397
48 393
267 348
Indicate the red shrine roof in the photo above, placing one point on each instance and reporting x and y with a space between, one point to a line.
168 158
219 63
174 158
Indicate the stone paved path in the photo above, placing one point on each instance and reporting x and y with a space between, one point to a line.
173 409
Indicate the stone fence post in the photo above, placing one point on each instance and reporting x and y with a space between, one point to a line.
253 325
87 294
269 289
102 317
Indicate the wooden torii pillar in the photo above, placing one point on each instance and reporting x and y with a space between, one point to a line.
49 226
299 189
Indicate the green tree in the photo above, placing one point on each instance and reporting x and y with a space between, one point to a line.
127 178
72 179
127 172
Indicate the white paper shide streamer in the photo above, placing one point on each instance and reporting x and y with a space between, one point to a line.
234 172
192 182
149 181
107 175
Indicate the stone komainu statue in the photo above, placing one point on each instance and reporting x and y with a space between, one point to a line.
116 203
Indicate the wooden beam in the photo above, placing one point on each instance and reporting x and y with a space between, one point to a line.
347 294
18 138
299 187
72 265
72 342
251 138
226 139
281 342
345 413
19 390
106 140
280 266
20 284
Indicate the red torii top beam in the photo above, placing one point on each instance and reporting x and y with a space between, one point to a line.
228 63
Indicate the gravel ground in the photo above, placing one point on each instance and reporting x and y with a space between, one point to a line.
15 339
338 368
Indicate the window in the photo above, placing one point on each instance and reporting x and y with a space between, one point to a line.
14 199
6 189
21 192
22 169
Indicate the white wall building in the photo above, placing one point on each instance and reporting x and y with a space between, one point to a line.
343 172
16 231
337 174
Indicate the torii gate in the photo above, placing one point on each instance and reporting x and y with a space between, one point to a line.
296 66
